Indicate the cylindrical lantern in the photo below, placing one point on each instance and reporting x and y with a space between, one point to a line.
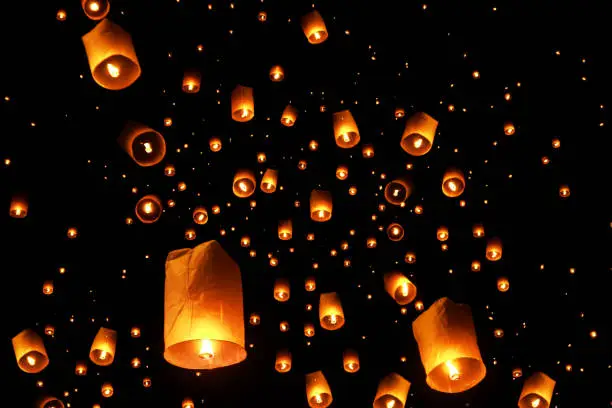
148 209
215 144
191 81
200 215
314 27
367 151
309 329
400 288
345 130
448 347
49 402
453 183
283 361
503 284
30 352
509 128
318 392
350 361
494 249
398 190
282 290
107 390
342 172
419 133
269 181
537 391
564 191
310 284
244 183
19 207
392 392
442 234
395 232
111 55
331 314
81 368
289 116
187 403
102 350
399 112
203 312
277 73
320 205
243 105
478 231
285 230
48 287
95 9
144 145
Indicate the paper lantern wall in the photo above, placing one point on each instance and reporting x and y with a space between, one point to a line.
345 130
419 134
277 73
30 352
243 104
102 351
318 393
392 392
331 314
144 145
537 391
400 288
314 27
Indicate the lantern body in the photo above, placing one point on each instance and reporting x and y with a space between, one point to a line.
318 392
314 27
400 288
494 249
442 234
215 144
19 207
395 232
283 361
95 9
203 312
191 81
398 191
331 314
509 129
392 387
49 402
285 230
453 183
107 390
419 134
538 386
289 116
148 209
243 105
447 344
244 183
350 360
320 205
144 145
269 181
277 73
478 231
111 55
282 290
310 284
367 151
200 215
103 348
345 130
30 352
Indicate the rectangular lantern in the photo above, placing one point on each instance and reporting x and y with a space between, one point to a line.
331 314
289 116
30 352
392 392
269 181
537 391
318 392
285 230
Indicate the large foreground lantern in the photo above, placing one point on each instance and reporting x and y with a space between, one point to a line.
243 104
400 288
103 348
537 391
111 55
331 314
269 181
453 183
398 190
419 134
314 27
345 130
392 392
244 183
148 209
95 9
144 145
318 392
203 312
30 352
448 347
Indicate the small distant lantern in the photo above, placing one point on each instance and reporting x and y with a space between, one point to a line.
320 205
95 9
214 144
135 363
284 326
314 27
419 134
494 249
371 242
448 347
498 333
367 151
168 122
313 145
48 287
419 306
556 143
476 75
442 234
187 403
285 230
49 402
148 209
453 183
244 183
30 352
318 392
144 145
517 372
564 191
277 73
81 368
245 241
269 181
331 315
182 186
395 232
342 172
273 261
171 203
476 266
243 105
397 191
537 391
309 330
254 319
399 113
72 233
261 157
350 361
503 284
190 234
302 164
310 285
478 231
216 210
545 160
169 170
200 215
418 210
283 361
282 290
135 332
509 129
191 81
289 116
410 257
392 392
262 16
19 207
111 55
102 350
310 237
61 15
107 390
400 288
49 330
345 130
352 190
146 382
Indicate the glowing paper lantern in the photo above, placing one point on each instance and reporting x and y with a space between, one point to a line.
49 402
148 209
419 133
453 183
215 144
400 288
345 130
398 190
509 129
314 27
350 360
283 361
191 81
282 290
144 145
367 151
320 205
494 249
399 113
318 392
243 105
342 172
81 368
107 390
269 181
277 73
203 311
331 315
19 207
30 352
111 55
395 232
200 215
244 183
289 116
310 285
102 350
478 231
448 347
95 9
392 392
537 391
285 230
309 329
187 403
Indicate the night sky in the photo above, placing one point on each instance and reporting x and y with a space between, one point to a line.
473 66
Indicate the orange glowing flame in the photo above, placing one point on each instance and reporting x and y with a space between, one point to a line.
206 350
453 372
113 70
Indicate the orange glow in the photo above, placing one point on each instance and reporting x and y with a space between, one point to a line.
503 284
206 351
453 372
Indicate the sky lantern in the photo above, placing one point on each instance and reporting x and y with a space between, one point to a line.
243 104
111 55
478 231
48 287
395 232
442 234
331 314
314 27
509 129
187 403
283 361
398 190
148 209
342 172
144 145
448 347
453 183
277 73
49 402
392 392
345 130
269 181
537 391
191 81
102 351
400 288
30 352
95 9
310 284
309 329
107 390
215 144
282 290
320 205
475 266
503 284
170 170
318 392
244 183
81 368
367 151
289 116
19 207
564 191
410 257
350 361
200 215
285 230
203 308
494 249
254 319
419 133
399 112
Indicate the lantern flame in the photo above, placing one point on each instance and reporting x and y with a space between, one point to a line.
404 289
535 403
244 113
94 6
390 403
242 186
318 399
396 192
148 208
418 142
333 319
148 148
346 138
206 350
317 36
113 70
31 360
321 214
102 355
453 372
452 186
